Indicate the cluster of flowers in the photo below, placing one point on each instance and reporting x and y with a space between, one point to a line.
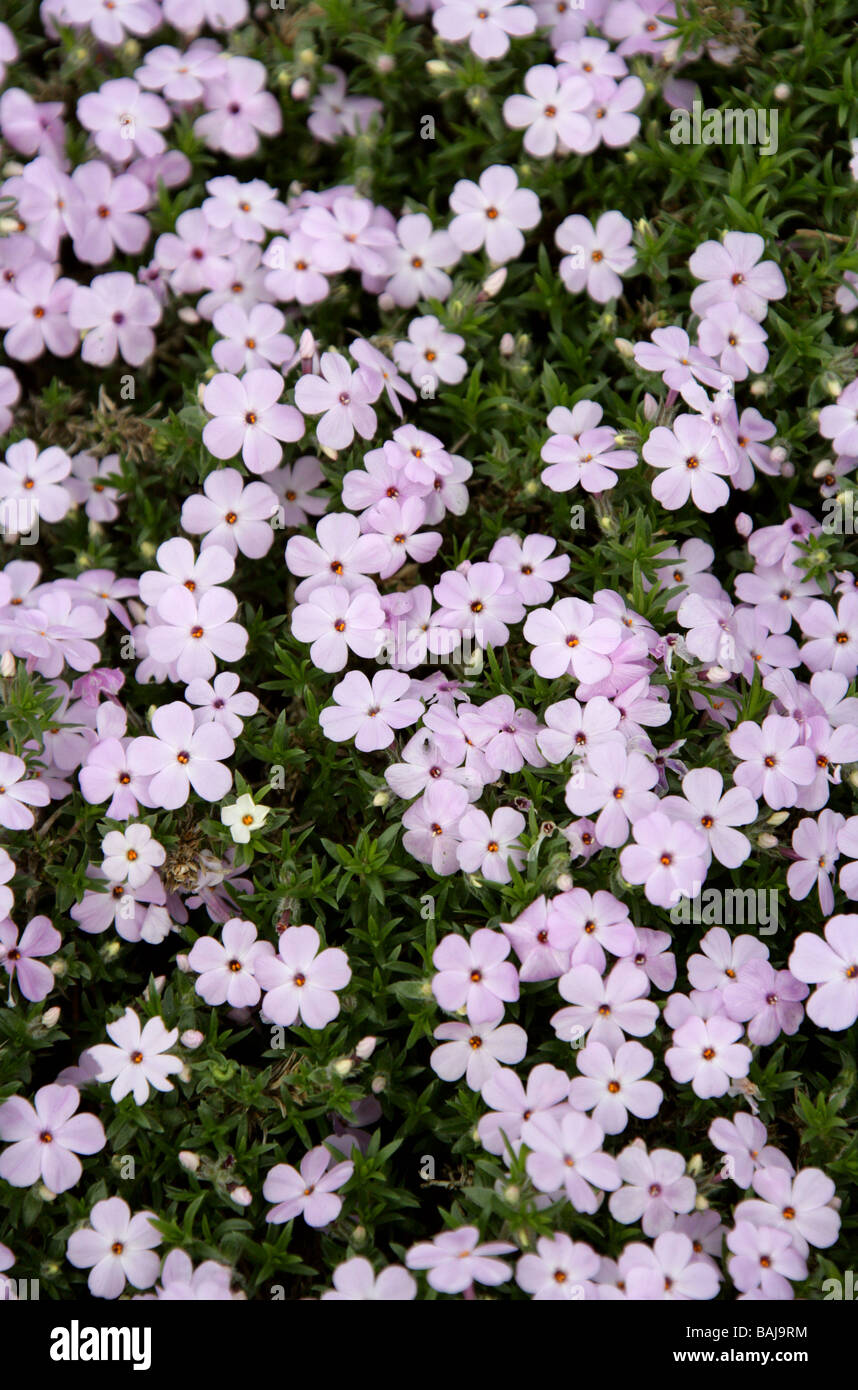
179 618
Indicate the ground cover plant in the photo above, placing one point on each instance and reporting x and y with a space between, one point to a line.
429 635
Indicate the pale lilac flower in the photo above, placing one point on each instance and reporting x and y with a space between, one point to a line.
611 1086
188 16
773 763
116 1247
227 968
139 1059
486 24
309 1192
655 1188
476 602
590 924
551 112
180 1282
831 965
107 215
834 636
605 1009
430 355
735 339
178 567
239 109
394 385
598 255
669 1270
88 485
46 1138
581 457
188 636
30 127
493 213
301 981
455 1260
513 1104
18 793
764 1258
529 565
799 1205
768 1000
576 728
610 112
336 622
222 702
839 422
181 757
476 1051
561 1270
488 846
249 210
335 113
418 263
566 1157
474 974
248 419
672 353
743 1140
369 713
19 958
34 308
732 275
706 1053
124 120
432 825
569 637
232 515
615 783
33 480
180 76
299 266
115 314
343 398
705 804
724 959
355 1281
815 846
10 394
341 555
294 485
692 463
251 338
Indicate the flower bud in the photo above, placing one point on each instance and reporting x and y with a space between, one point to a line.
343 1066
242 1196
717 675
624 348
7 665
189 1161
365 1048
183 964
506 346
778 818
436 67
192 1038
381 797
386 303
782 92
300 89
512 1194
744 524
379 1084
385 63
51 1017
495 282
694 1165
563 883
767 841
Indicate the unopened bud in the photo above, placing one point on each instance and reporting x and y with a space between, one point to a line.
385 63
744 524
188 315
694 1165
512 1194
767 841
51 1017
381 797
241 1196
192 1038
506 346
189 1160
300 89
495 282
564 883
183 964
365 1048
624 347
700 1203
386 303
436 67
7 665
782 92
778 818
717 675
343 1066
379 1084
